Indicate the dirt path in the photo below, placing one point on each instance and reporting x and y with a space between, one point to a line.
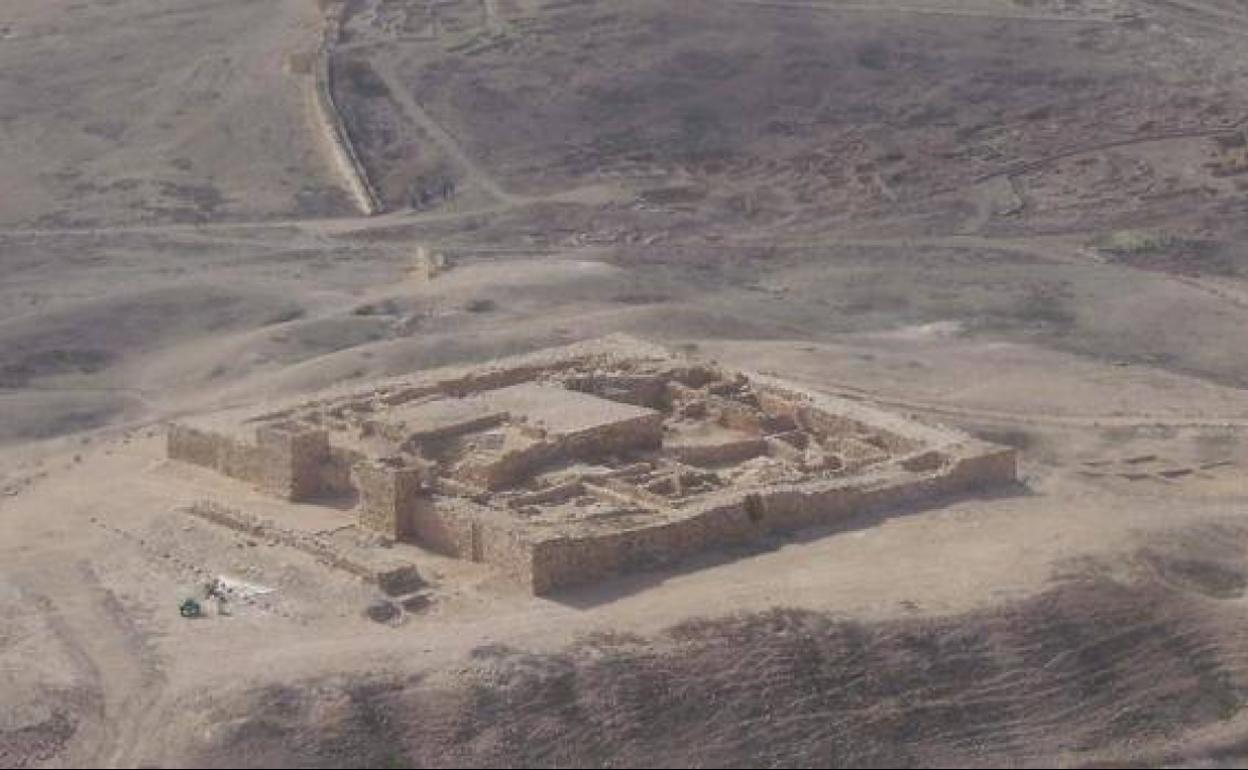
1065 249
1062 249
1140 420
1206 14
1024 167
445 141
327 225
100 635
889 8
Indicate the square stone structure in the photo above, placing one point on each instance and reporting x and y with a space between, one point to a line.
562 467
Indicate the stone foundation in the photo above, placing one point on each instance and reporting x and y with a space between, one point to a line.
566 466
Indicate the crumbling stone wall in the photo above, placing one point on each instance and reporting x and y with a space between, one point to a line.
392 498
727 451
293 458
337 478
285 461
530 452
638 433
648 390
742 517
220 452
446 530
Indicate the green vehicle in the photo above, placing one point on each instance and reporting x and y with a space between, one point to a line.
189 608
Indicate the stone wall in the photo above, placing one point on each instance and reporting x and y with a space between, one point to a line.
991 465
730 449
336 472
329 125
392 499
292 458
641 432
499 543
284 461
448 530
222 453
738 517
569 561
648 390
509 466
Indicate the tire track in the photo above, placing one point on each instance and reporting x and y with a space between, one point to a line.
916 10
1086 669
90 621
1025 167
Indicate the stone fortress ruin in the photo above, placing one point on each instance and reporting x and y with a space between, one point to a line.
562 467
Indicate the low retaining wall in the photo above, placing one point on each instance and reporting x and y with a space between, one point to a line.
392 576
327 120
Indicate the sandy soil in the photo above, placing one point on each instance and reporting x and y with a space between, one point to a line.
1022 219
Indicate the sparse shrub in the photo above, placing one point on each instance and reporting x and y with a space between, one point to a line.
386 307
1045 307
873 56
363 80
1014 437
1233 141
702 133
1137 242
432 188
481 306
1166 252
285 315
640 298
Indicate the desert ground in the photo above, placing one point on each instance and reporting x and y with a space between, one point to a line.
1026 219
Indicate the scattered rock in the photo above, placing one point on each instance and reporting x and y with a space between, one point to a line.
401 580
418 602
381 611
